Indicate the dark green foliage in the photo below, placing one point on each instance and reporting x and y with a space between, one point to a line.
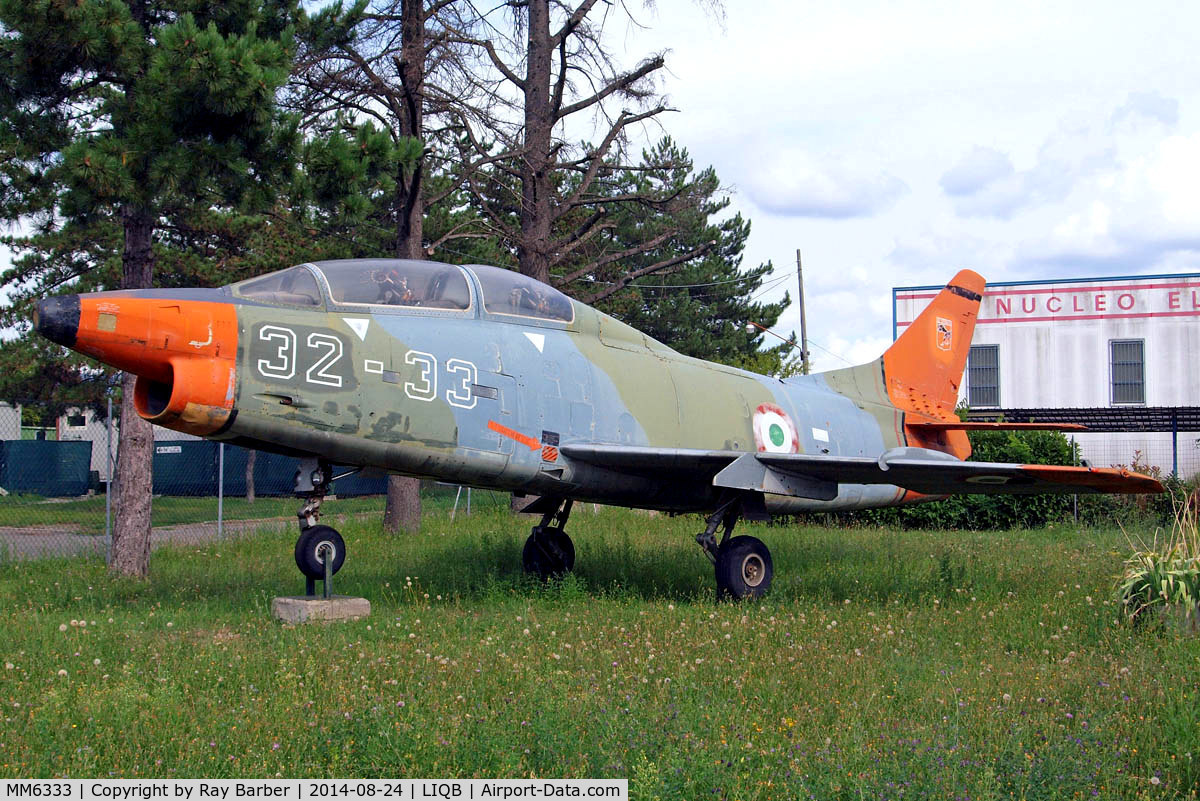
138 141
701 305
978 512
1141 510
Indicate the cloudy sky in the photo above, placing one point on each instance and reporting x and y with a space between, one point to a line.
897 142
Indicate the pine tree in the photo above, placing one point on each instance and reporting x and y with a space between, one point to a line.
138 115
689 290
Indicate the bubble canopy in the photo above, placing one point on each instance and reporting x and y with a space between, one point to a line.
510 293
395 282
404 283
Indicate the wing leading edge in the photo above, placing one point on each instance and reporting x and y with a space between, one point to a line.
809 476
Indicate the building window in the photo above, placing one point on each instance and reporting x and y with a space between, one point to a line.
983 376
1127 368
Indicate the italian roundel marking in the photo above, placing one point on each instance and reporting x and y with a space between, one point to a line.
774 431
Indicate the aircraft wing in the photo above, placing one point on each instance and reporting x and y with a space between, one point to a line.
817 476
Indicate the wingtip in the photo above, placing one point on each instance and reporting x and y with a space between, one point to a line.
1099 479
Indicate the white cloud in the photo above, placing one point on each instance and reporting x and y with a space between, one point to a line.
1137 215
1148 106
793 183
976 171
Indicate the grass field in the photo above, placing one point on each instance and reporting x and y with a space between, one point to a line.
883 665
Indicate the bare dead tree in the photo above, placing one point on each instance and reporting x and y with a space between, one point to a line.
385 72
543 70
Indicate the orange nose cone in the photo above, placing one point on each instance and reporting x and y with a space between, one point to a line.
182 351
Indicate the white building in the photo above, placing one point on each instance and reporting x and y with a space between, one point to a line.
1123 344
10 421
83 424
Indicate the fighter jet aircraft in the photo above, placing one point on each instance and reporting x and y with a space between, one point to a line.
482 376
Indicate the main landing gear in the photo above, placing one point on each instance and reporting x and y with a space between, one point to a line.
549 552
742 564
320 550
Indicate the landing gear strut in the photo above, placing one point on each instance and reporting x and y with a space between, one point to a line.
742 564
320 550
549 552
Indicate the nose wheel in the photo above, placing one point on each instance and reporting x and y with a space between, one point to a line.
549 552
316 546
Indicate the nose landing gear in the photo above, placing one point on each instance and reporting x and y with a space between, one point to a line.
320 550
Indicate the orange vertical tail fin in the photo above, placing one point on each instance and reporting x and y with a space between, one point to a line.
924 367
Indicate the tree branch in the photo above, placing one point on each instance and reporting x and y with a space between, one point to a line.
627 279
620 83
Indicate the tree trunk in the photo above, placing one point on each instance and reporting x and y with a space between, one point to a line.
135 444
518 502
402 512
251 458
537 163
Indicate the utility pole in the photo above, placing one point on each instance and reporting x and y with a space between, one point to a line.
803 322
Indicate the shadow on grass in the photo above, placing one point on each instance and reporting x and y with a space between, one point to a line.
620 555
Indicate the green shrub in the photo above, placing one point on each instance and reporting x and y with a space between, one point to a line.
1164 581
986 511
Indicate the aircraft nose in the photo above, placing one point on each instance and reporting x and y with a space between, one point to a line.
57 319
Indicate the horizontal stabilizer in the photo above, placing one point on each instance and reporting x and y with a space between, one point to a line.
952 477
961 425
805 475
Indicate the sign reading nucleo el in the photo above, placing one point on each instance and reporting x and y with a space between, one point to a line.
1128 301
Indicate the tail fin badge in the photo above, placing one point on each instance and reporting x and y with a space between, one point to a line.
945 334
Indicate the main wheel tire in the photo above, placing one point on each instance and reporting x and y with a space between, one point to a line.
309 555
548 552
744 568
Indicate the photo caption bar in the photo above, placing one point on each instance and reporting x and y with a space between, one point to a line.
316 789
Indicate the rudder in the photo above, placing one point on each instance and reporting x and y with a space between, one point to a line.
923 368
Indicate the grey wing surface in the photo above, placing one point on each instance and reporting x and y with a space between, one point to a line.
817 476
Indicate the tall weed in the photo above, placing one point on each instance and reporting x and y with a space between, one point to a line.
1159 581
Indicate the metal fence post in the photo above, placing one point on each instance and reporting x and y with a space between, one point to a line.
1174 444
220 490
108 485
1075 461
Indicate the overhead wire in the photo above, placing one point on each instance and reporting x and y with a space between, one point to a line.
739 279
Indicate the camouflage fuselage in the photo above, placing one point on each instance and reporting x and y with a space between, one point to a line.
487 400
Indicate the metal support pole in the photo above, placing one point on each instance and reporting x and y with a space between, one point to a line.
327 562
1075 461
1174 444
108 487
803 320
457 495
220 490
468 501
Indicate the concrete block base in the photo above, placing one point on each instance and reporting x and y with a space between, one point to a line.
297 609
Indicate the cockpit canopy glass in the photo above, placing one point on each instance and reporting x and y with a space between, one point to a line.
295 286
509 292
394 282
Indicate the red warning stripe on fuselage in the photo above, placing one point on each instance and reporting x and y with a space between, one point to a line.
528 442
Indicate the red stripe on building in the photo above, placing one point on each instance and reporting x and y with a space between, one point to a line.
1065 317
1059 290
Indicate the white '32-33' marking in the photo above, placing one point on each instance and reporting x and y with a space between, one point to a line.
325 353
